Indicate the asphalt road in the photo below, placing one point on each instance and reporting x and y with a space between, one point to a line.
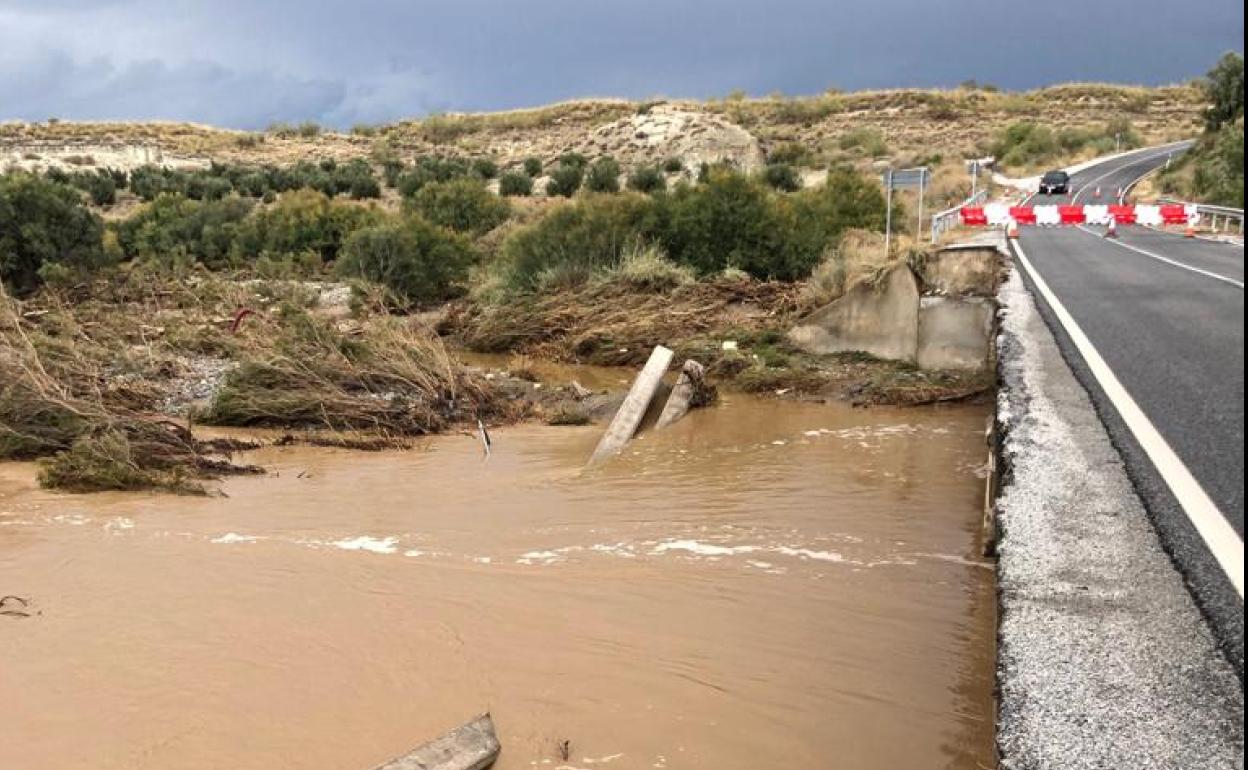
1174 338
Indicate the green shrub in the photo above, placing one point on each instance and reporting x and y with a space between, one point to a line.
391 170
149 181
574 159
463 205
645 267
174 226
673 165
485 168
647 179
100 185
309 129
565 181
515 183
1024 143
42 224
781 176
868 140
1218 176
1224 88
791 153
533 166
731 220
410 182
300 221
577 239
415 259
603 176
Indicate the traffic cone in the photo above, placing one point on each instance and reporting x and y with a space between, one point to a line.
1011 229
1097 192
1121 193
1112 231
1189 231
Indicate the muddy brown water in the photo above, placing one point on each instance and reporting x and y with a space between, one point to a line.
765 585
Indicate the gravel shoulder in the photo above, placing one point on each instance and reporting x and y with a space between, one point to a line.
1104 659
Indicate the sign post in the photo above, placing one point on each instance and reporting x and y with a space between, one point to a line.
888 211
898 178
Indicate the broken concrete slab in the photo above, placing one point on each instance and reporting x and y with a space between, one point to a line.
683 394
955 333
630 414
473 746
881 320
963 270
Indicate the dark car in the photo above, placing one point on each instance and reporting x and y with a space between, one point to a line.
1055 183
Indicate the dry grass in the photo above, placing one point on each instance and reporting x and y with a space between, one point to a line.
53 405
859 257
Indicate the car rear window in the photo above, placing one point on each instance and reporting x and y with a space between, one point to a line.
1055 176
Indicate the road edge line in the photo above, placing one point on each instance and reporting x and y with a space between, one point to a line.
1216 532
1167 260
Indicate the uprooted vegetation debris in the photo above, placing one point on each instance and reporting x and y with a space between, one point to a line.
55 404
83 383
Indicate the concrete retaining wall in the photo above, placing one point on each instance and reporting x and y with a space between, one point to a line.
941 318
883 322
954 332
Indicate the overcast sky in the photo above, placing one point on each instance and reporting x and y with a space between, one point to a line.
248 63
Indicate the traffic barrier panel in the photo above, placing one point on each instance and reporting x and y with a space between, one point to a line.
1096 214
1071 215
1173 214
1123 215
974 216
998 214
1148 214
1024 215
1047 215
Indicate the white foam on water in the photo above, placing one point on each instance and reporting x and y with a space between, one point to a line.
539 557
807 553
234 537
703 549
366 543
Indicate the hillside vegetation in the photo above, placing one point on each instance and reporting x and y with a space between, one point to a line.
288 277
1213 172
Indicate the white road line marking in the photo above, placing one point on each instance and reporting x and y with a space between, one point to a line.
1167 260
1219 536
1165 149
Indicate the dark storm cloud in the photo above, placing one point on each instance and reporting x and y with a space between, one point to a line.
246 63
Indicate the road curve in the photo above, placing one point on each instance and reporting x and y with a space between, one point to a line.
1166 313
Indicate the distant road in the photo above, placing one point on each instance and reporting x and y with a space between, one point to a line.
1166 315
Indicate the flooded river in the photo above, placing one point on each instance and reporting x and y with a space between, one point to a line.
764 585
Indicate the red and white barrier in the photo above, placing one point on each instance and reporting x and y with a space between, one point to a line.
1001 214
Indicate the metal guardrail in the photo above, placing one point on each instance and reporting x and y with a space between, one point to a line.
1229 217
943 221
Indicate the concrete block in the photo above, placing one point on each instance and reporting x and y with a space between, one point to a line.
473 746
631 412
882 321
969 270
955 333
686 388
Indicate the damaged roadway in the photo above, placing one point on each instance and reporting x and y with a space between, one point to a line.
1105 661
